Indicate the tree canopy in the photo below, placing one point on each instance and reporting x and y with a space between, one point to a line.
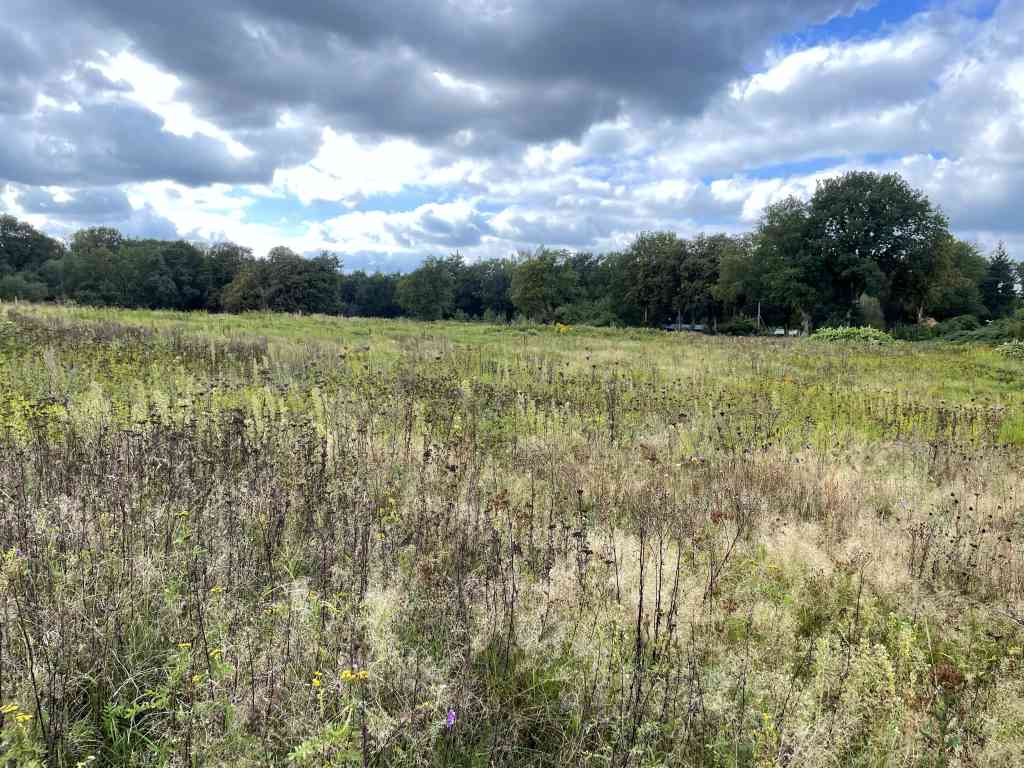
865 248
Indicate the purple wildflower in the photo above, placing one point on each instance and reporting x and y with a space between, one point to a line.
450 723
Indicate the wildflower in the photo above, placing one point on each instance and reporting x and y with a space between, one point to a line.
356 675
184 646
450 720
7 709
23 717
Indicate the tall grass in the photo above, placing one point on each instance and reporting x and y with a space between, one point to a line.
263 540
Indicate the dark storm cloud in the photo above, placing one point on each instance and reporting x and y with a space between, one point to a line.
548 70
551 69
112 143
40 42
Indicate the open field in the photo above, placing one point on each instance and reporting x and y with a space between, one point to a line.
246 540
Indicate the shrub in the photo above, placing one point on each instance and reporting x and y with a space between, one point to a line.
996 332
738 326
965 329
871 313
860 334
958 324
1012 349
583 312
915 332
19 286
495 318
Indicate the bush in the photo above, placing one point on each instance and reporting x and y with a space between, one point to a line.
996 332
958 324
738 326
859 334
1012 349
586 312
915 332
495 318
947 329
870 309
966 329
19 286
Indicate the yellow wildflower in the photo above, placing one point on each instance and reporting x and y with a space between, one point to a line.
23 717
6 709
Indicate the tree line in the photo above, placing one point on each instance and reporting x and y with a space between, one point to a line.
866 249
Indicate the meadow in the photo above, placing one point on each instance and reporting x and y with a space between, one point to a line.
268 539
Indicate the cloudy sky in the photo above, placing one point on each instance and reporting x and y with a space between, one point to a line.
392 130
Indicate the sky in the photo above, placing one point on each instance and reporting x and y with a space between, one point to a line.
395 130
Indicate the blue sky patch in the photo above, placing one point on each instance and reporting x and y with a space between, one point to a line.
406 200
291 211
863 23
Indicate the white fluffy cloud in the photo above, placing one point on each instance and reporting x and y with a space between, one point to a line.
346 170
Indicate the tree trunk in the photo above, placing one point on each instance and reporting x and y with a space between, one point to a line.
805 322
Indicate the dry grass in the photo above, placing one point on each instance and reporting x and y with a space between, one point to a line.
593 549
